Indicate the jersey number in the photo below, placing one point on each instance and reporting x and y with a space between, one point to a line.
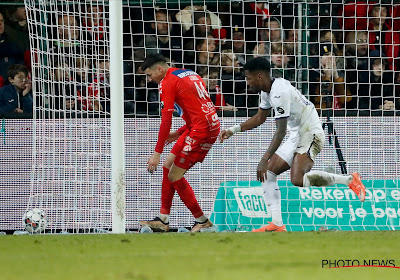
201 90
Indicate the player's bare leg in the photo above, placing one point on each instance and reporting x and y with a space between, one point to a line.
272 194
301 176
302 163
186 193
161 222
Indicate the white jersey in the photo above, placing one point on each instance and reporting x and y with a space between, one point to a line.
288 102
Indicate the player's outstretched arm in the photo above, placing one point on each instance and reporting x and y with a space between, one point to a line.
251 123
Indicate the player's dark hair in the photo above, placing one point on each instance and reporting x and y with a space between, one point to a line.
257 64
15 69
152 59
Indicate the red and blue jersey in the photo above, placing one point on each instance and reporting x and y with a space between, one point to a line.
184 91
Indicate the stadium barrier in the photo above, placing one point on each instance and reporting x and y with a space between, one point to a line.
369 146
240 206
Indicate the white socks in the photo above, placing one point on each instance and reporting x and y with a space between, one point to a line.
201 219
272 196
322 178
164 218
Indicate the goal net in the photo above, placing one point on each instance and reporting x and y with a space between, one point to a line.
330 51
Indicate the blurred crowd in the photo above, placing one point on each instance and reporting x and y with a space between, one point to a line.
343 56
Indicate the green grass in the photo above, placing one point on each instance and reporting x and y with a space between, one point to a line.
197 256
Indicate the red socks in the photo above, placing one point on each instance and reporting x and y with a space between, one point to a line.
167 193
187 196
185 192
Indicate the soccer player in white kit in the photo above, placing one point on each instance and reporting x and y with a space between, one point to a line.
293 112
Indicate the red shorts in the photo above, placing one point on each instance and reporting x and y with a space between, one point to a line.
192 147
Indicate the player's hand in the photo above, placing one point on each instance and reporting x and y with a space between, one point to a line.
262 170
152 163
172 137
229 107
225 134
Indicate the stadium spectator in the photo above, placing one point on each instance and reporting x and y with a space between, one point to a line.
376 90
16 99
272 32
293 112
205 24
291 45
147 95
330 92
164 39
182 89
211 80
206 55
81 71
357 55
261 10
10 53
63 90
2 81
16 26
93 90
233 81
130 91
201 29
197 21
243 14
327 36
280 67
291 37
94 21
70 41
356 50
239 44
98 92
381 35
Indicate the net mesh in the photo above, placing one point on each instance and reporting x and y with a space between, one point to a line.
71 173
330 51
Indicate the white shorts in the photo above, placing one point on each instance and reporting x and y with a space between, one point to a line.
310 143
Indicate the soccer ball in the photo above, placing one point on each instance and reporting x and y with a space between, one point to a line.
34 220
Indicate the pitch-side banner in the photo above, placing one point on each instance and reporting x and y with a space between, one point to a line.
240 205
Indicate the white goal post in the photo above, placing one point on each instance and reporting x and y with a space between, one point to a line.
118 182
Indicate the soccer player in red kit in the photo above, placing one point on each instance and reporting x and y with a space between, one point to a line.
184 91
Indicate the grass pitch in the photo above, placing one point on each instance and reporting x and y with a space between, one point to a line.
184 256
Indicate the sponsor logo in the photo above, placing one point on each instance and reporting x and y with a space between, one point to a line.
280 110
206 146
251 202
187 148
